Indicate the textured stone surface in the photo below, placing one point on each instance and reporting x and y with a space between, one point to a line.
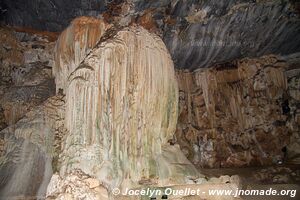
277 175
10 56
117 129
26 163
52 15
293 82
220 31
26 77
237 114
75 185
30 122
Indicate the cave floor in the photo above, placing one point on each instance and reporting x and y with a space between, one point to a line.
259 175
279 177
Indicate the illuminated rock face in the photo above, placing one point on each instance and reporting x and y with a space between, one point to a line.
237 114
121 110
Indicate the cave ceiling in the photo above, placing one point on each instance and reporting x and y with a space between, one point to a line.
198 33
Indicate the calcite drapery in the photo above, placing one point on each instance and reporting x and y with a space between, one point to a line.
121 110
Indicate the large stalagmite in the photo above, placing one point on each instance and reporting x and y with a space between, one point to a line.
121 111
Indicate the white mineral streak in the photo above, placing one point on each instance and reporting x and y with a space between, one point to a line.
121 110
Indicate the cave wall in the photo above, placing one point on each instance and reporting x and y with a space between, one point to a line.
239 114
28 157
30 116
293 80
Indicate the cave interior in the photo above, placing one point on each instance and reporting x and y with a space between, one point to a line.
105 99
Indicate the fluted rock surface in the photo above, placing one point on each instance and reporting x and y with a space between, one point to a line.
121 110
74 44
237 114
216 31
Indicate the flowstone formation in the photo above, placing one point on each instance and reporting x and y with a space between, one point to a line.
121 108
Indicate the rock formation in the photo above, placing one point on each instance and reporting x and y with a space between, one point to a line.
293 82
31 121
26 74
29 149
238 114
121 109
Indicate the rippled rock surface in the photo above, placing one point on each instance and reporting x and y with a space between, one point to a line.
197 33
